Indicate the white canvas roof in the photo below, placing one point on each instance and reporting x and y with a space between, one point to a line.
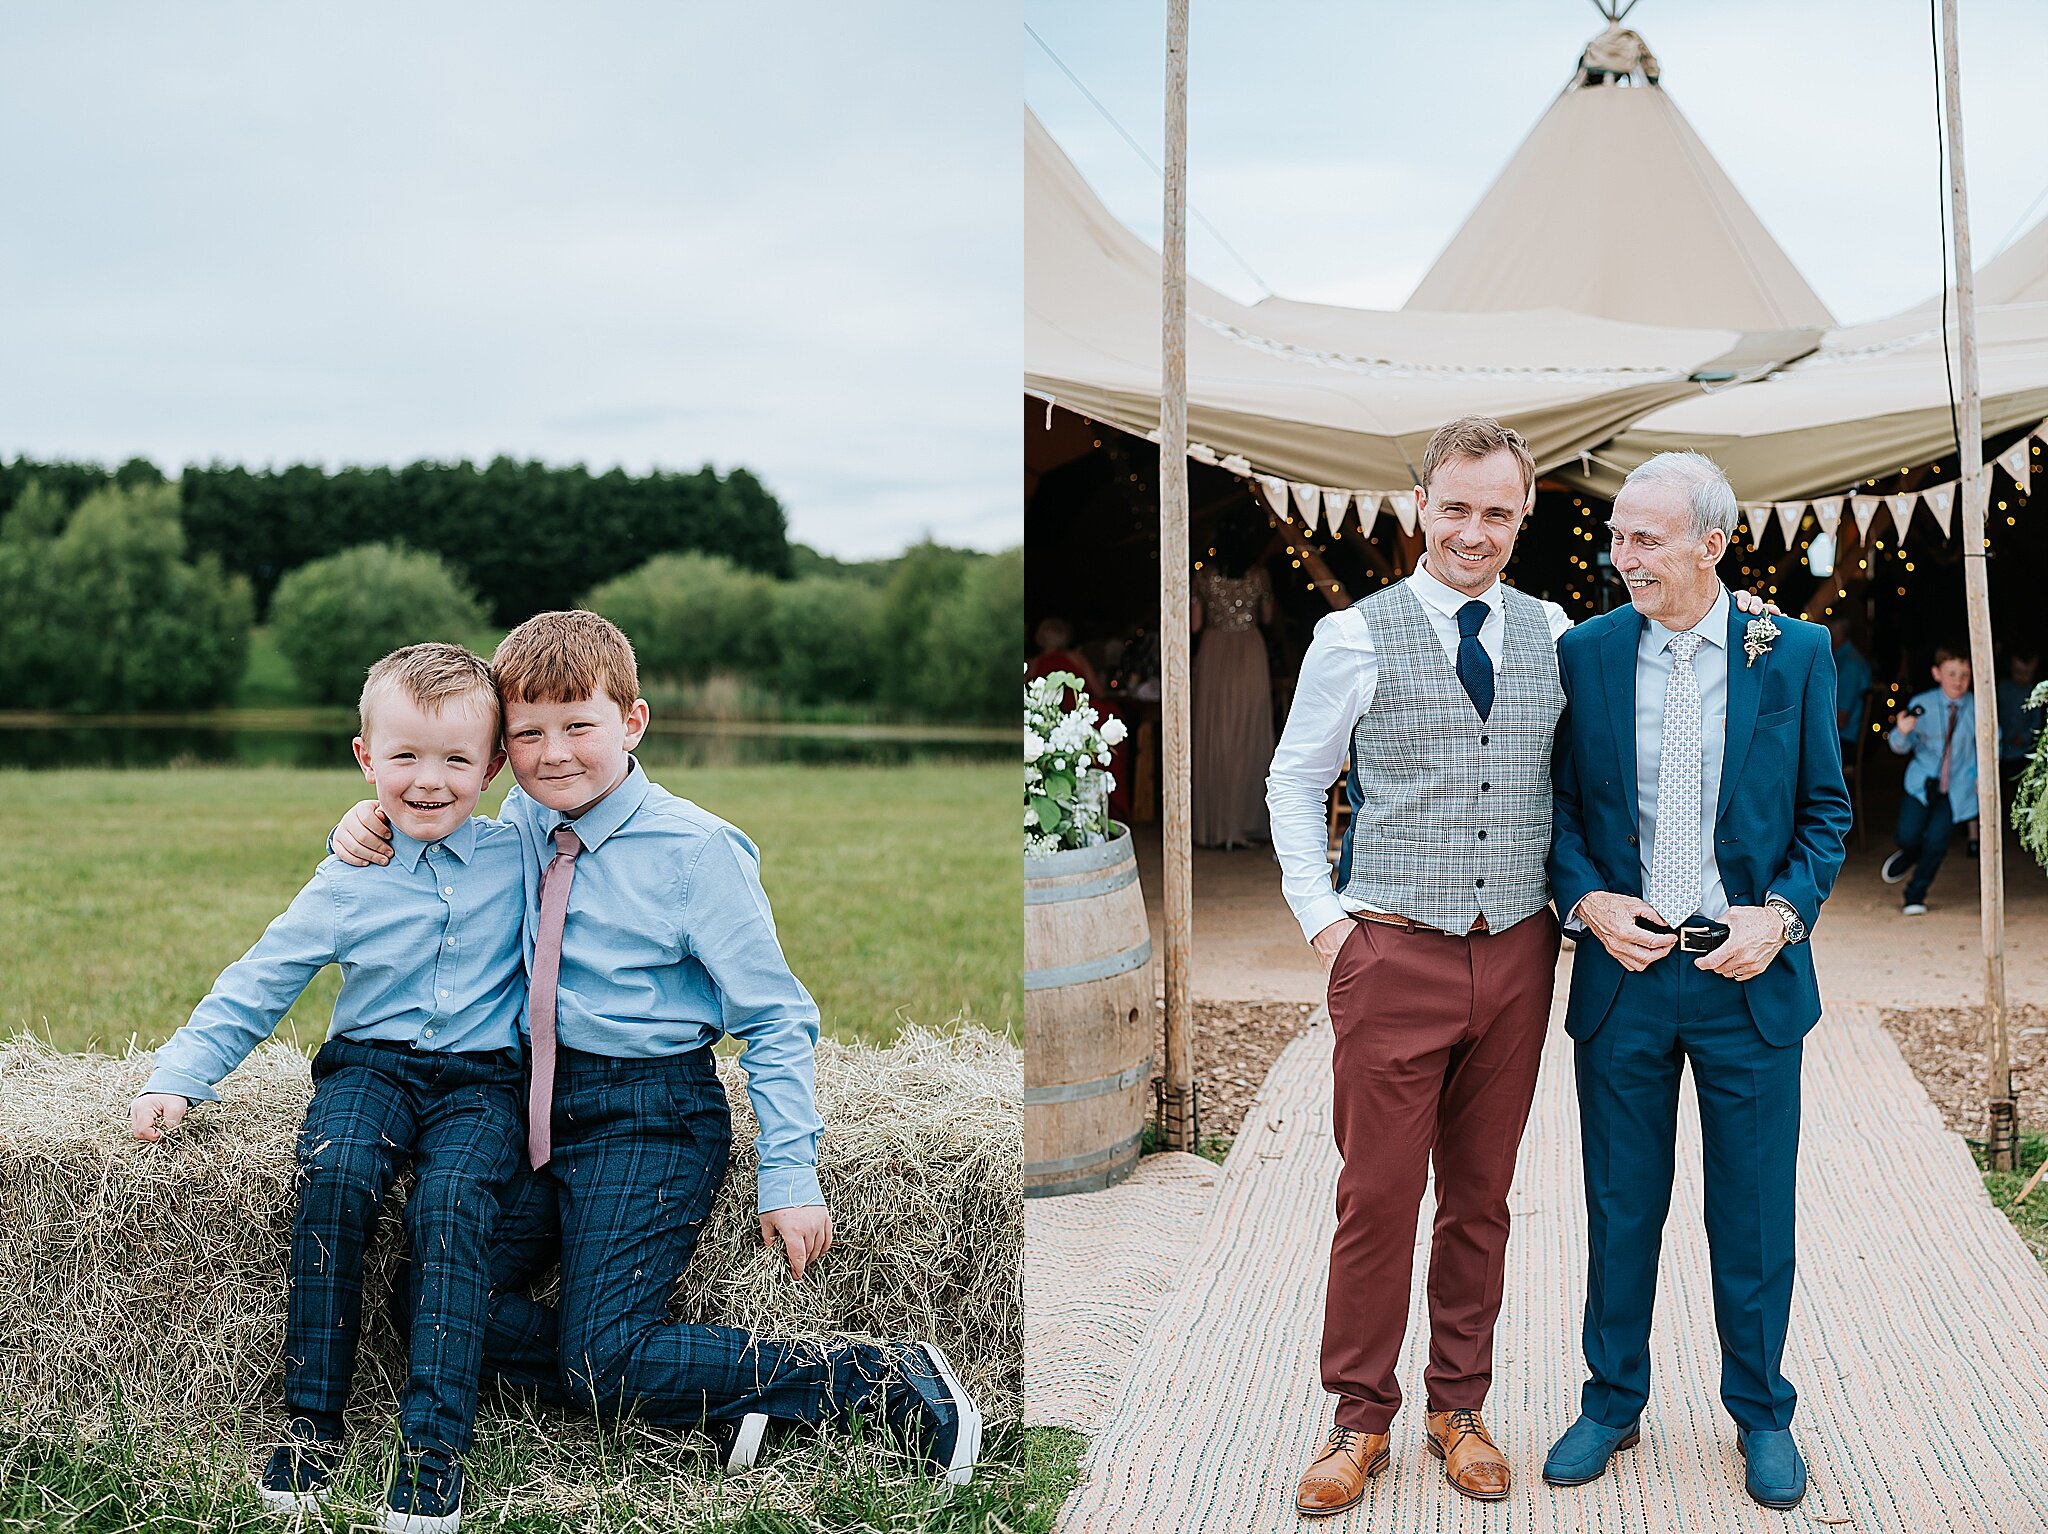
1343 398
1613 206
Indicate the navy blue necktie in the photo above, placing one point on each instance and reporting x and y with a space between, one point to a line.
1475 667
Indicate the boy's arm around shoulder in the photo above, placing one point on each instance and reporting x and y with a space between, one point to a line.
248 999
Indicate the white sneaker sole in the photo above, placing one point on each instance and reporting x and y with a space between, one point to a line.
967 1443
746 1444
291 1504
417 1523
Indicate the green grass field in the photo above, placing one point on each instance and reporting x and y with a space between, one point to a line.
895 889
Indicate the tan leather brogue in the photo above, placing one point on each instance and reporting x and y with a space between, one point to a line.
1472 1462
1336 1480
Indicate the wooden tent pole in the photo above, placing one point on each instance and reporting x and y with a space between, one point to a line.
1177 1125
1991 840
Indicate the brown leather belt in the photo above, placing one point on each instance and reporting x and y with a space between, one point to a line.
1389 919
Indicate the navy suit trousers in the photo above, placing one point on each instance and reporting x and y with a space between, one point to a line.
640 1149
1670 1015
375 1106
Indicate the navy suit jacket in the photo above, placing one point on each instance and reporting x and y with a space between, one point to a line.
1783 815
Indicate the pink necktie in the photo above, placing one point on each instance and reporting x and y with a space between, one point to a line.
540 995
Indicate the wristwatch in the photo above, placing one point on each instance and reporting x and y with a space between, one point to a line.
1795 929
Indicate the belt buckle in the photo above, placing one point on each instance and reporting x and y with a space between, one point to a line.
1701 936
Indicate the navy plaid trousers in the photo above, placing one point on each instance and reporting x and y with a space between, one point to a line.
457 1118
640 1149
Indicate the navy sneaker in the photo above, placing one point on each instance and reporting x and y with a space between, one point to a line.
300 1470
738 1444
946 1424
1893 869
425 1495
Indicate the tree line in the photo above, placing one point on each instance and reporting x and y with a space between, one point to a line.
109 602
525 537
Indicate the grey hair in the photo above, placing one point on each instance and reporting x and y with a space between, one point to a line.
1708 495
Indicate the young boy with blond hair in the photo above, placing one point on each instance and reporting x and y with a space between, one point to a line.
648 938
421 1064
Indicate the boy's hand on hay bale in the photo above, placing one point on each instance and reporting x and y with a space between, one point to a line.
156 1114
805 1234
363 837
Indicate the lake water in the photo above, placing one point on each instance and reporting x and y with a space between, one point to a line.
41 743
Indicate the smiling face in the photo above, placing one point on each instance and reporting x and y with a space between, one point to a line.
568 756
429 764
1670 573
1470 515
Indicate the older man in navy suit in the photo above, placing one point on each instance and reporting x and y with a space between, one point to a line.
1700 817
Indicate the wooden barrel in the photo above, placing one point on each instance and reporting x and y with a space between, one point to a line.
1088 1018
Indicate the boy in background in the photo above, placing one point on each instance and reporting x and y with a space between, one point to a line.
648 939
421 1063
1937 730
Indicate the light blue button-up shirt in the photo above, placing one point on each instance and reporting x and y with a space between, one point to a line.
1653 676
429 949
1923 772
668 944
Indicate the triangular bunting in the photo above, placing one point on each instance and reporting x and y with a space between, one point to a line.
1789 515
1902 511
1275 489
1335 504
2015 461
1402 504
1864 509
1368 504
1829 512
1201 452
1237 464
1941 505
1756 517
1308 500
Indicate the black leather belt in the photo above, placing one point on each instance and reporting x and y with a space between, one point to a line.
1696 934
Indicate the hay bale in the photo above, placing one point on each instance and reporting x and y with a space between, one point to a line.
149 1280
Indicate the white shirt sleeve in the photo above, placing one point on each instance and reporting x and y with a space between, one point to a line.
1338 678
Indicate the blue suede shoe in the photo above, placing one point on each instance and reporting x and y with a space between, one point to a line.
1582 1454
1775 1474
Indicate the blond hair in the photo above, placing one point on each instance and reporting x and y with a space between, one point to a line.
430 675
1478 436
565 657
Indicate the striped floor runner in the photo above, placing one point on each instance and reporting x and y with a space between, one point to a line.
1919 1333
1097 1266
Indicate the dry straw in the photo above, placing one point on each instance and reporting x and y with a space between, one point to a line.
148 1282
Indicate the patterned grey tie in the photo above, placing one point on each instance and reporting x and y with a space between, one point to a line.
1675 856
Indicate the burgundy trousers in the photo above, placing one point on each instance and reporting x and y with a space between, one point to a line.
1437 1043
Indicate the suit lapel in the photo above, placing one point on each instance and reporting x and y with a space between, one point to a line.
1618 671
1745 687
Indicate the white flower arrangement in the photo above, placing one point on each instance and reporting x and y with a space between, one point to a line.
1066 760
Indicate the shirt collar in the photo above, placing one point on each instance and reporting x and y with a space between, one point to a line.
612 811
1713 628
1448 599
461 841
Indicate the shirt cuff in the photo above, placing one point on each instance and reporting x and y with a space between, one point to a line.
1320 913
794 1187
177 1084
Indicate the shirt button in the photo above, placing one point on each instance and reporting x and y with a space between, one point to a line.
430 1032
451 941
444 995
447 889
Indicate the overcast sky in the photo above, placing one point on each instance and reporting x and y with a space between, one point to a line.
1338 147
643 234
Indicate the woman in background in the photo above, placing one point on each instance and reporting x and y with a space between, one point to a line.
1232 703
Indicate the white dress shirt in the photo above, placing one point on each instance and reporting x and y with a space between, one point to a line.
1653 676
1339 676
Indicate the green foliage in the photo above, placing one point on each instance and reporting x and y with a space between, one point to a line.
527 536
975 642
690 615
106 615
926 575
2030 798
824 640
334 618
